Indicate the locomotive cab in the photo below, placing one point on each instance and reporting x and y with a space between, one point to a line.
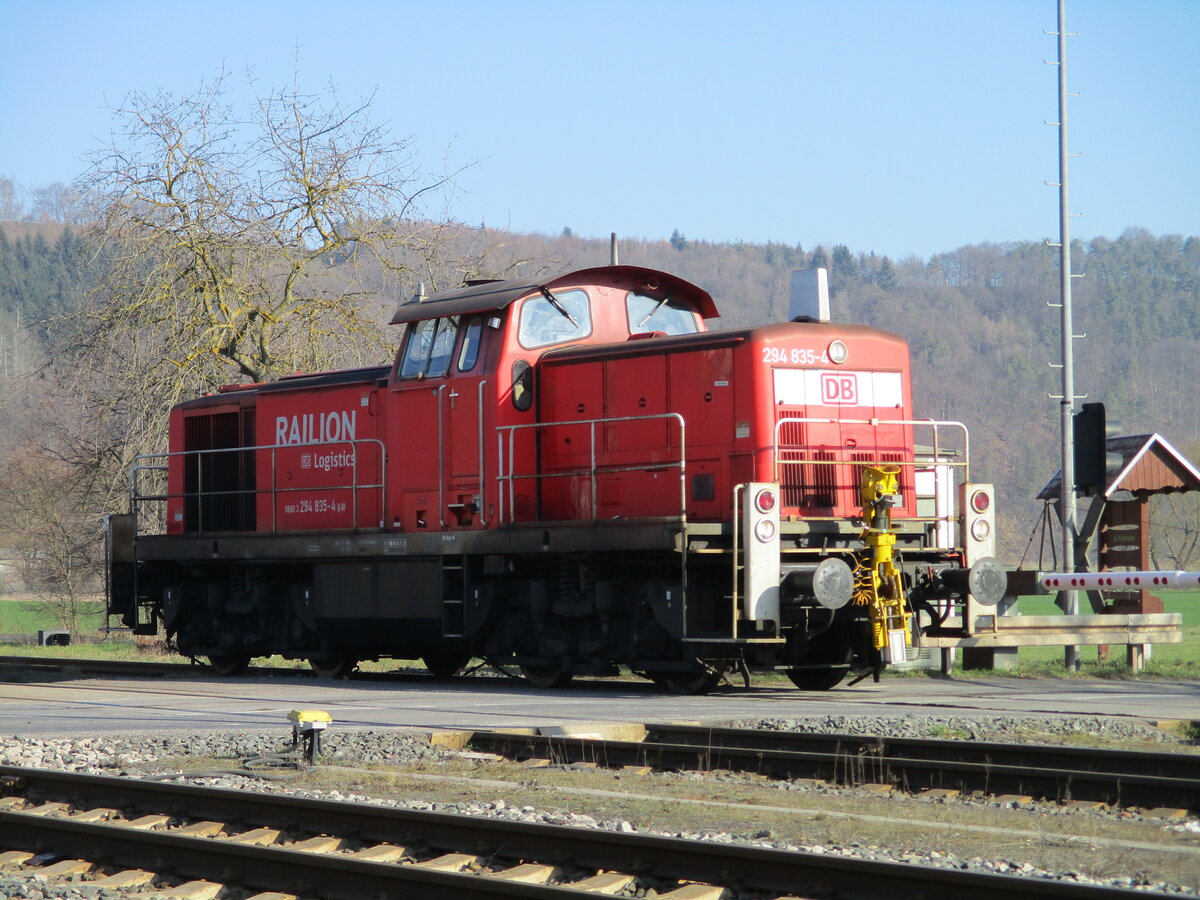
467 370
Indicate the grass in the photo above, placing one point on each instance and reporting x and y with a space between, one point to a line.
25 615
1180 660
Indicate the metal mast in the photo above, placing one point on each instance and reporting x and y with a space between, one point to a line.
1067 493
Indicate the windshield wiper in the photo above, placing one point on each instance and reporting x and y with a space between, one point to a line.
650 315
557 305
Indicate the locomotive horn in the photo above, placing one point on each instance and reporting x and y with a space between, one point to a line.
829 582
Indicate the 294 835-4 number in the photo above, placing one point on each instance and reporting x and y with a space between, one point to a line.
795 356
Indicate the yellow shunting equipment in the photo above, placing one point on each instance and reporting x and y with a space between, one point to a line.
310 719
877 582
307 725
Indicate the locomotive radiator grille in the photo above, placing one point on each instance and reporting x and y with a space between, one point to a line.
819 485
815 479
863 460
808 478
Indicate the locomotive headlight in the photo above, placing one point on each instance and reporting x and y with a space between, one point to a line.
764 501
838 352
980 529
764 530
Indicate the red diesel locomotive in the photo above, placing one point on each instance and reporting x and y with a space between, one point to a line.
565 474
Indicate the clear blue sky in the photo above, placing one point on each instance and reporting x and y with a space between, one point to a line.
899 126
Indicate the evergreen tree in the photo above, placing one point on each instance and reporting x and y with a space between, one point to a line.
678 241
886 276
844 264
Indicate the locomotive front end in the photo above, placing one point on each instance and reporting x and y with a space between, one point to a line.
874 529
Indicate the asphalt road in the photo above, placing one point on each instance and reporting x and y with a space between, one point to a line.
91 706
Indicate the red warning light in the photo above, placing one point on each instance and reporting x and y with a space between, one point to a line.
764 500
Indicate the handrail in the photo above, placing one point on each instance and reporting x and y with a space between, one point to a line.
140 465
738 489
441 437
933 423
506 477
929 464
482 480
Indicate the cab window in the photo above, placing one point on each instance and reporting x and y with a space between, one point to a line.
429 349
468 355
554 318
659 314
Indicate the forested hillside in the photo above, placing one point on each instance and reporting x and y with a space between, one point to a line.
43 274
977 318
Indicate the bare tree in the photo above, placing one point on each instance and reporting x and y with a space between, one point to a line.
237 248
50 519
1175 531
245 238
55 203
10 201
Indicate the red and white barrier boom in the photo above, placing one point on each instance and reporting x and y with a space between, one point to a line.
1118 581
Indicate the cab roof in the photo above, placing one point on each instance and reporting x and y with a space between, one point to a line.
495 295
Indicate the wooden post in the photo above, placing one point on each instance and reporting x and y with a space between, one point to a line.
1135 656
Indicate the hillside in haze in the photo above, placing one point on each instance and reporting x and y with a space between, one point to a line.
977 319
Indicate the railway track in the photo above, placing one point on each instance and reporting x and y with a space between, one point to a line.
1058 774
124 668
178 838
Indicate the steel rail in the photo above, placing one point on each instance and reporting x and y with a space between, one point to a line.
126 668
338 876
1092 759
131 668
860 762
264 868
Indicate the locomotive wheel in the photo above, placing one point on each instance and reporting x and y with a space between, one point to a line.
445 664
817 679
826 663
227 664
687 682
545 676
335 667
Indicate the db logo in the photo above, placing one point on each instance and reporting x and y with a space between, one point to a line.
306 460
839 389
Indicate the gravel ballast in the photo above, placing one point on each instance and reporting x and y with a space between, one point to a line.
1022 729
148 753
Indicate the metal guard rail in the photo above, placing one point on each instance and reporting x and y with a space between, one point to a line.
924 465
140 465
507 475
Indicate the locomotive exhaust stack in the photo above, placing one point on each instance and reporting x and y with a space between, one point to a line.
810 296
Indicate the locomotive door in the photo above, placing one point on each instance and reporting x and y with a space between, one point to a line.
464 415
413 456
417 429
